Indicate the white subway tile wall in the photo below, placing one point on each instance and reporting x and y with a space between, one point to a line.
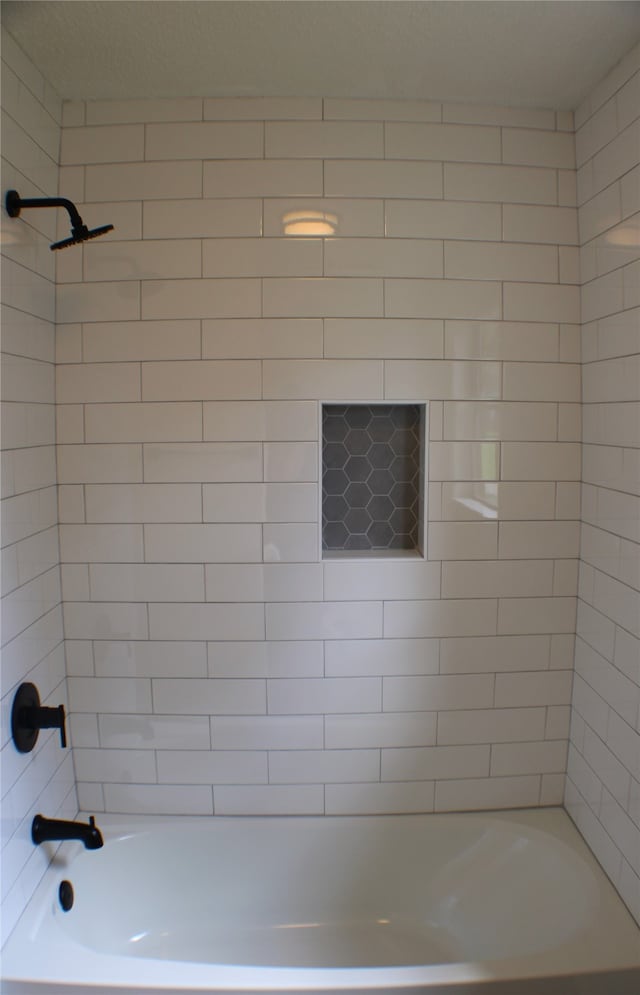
603 783
32 629
216 663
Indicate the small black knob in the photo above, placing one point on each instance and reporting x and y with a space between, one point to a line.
65 895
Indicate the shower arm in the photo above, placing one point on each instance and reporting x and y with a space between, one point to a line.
79 231
15 203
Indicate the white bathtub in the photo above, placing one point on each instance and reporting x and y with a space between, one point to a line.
447 904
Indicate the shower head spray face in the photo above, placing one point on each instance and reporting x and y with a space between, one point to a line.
82 234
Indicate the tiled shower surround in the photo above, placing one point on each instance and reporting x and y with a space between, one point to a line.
217 664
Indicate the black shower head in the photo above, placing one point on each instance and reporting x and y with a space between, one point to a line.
79 231
81 234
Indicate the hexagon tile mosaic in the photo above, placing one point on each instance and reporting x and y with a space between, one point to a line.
370 476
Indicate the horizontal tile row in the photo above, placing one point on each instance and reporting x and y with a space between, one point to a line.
331 297
333 799
311 620
337 696
304 380
237 582
291 502
177 259
228 462
313 658
346 139
251 542
105 112
282 425
249 215
397 764
308 338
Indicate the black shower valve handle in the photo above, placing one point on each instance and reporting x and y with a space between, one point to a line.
48 718
28 717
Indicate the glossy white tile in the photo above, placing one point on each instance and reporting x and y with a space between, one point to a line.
224 298
367 178
383 257
504 261
191 543
324 766
146 582
323 140
147 422
452 142
127 658
325 620
469 579
325 379
383 338
410 694
502 184
442 380
267 732
113 143
212 767
201 380
541 302
143 503
379 799
442 219
178 696
329 297
312 696
202 462
162 799
262 178
538 148
291 461
262 338
499 725
290 542
419 619
268 659
385 729
128 341
443 299
111 301
275 257
203 140
209 218
262 108
345 580
272 799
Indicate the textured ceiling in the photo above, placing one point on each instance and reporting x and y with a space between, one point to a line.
533 53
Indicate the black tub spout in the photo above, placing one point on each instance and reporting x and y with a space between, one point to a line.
43 830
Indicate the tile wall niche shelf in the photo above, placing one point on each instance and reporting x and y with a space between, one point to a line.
373 479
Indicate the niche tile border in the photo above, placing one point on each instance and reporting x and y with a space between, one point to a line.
373 474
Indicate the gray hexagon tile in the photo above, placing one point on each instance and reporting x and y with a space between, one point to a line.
370 476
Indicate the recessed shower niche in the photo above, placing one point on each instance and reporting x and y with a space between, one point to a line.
373 479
